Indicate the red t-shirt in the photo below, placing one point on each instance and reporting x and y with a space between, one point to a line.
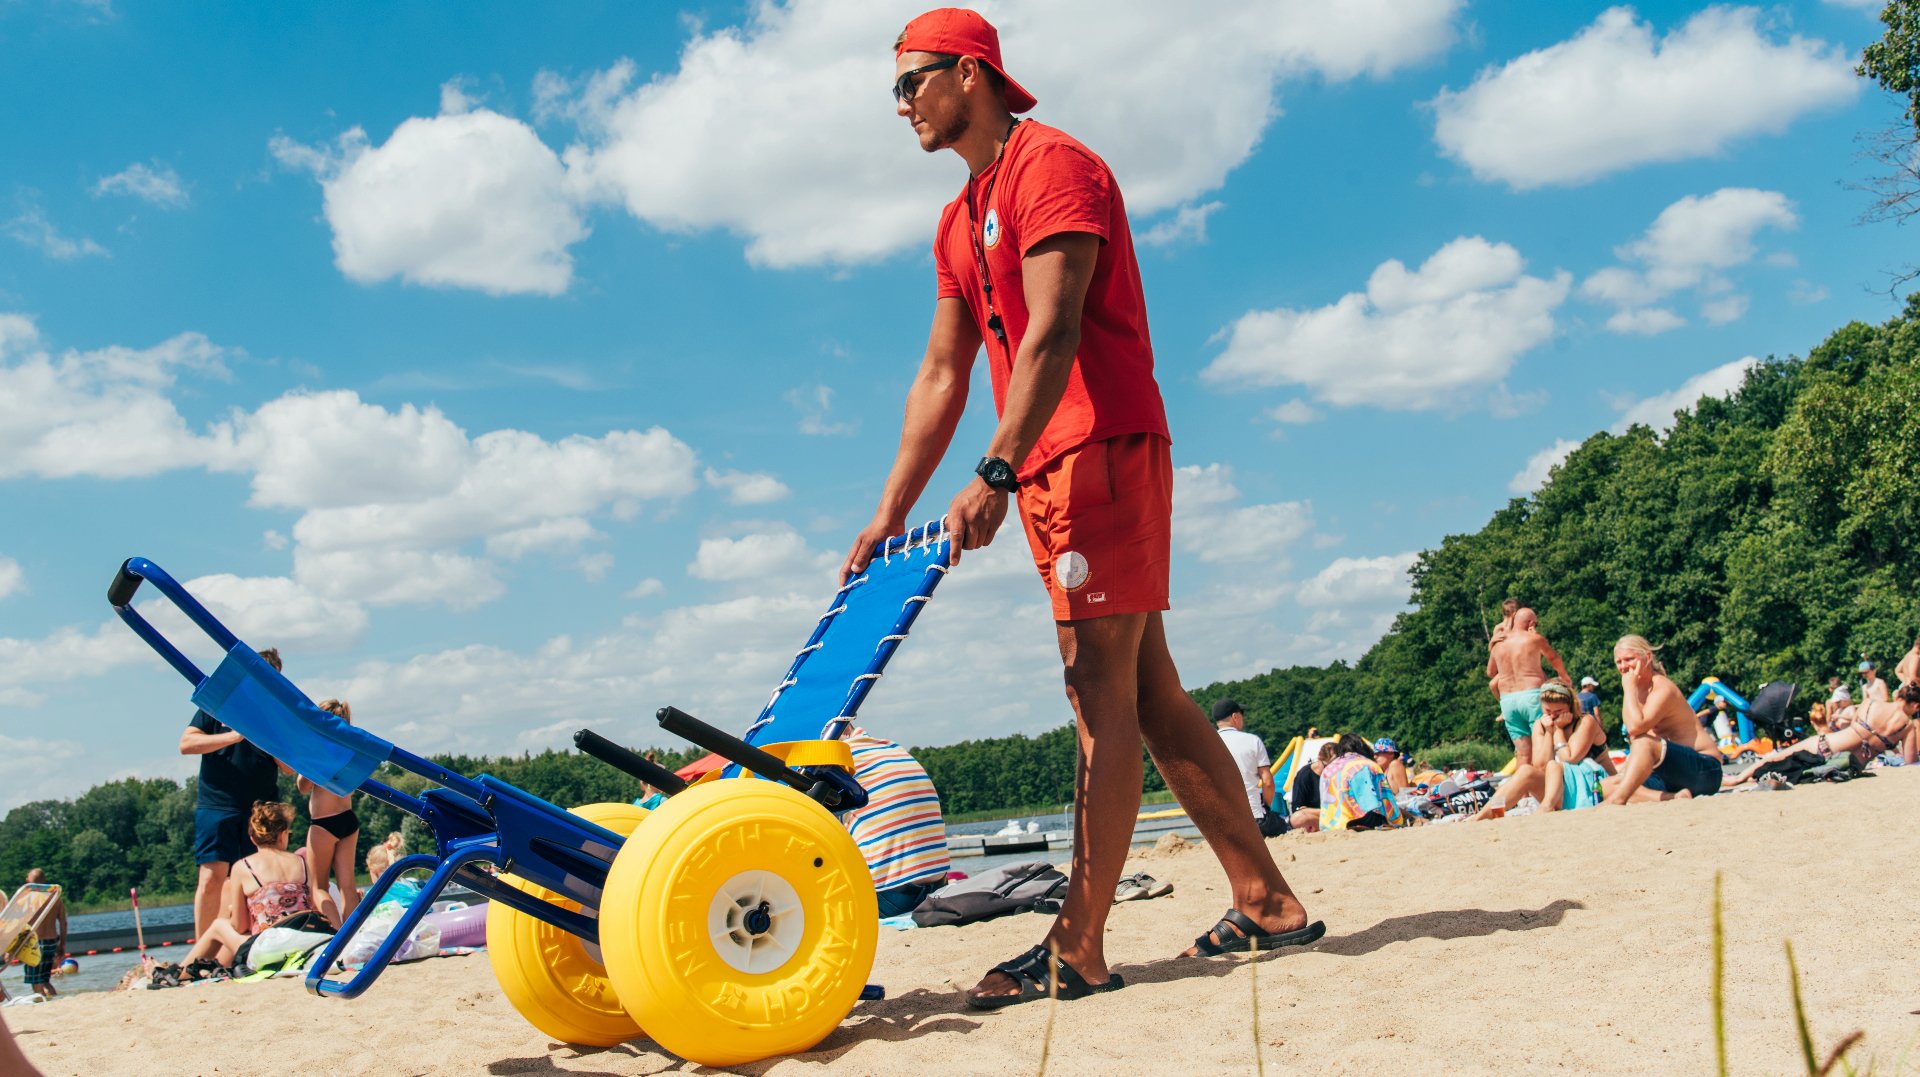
1048 184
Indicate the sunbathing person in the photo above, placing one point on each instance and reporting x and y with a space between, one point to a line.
1872 728
1354 793
1305 796
1906 672
272 886
1669 754
1386 755
1514 665
1572 743
332 838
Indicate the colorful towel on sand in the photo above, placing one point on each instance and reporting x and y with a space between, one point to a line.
1352 788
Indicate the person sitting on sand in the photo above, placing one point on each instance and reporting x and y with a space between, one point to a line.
1304 796
1354 793
1669 754
1572 742
1871 729
1905 672
1514 665
1386 756
273 886
332 838
382 856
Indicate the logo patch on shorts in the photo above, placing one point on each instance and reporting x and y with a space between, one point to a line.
1070 571
1096 597
990 229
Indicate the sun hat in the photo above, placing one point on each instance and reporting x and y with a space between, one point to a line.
1385 744
1226 708
1585 681
1866 664
959 32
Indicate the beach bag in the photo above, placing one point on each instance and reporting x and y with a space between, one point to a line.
1010 888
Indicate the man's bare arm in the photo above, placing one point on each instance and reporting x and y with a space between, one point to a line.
1553 659
1055 274
934 405
195 742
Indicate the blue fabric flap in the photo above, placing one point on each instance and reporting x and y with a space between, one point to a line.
253 699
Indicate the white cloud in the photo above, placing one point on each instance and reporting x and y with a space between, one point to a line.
158 184
744 488
1645 321
1208 522
557 535
268 611
815 405
1689 247
1187 225
1613 97
103 412
1657 411
1414 340
1540 466
646 588
1294 412
758 555
1804 292
33 229
1354 581
13 581
469 199
866 192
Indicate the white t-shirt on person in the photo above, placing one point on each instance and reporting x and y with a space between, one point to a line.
1249 754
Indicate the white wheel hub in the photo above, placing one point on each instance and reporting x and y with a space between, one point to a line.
755 921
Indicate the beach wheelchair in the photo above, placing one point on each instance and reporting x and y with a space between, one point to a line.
735 922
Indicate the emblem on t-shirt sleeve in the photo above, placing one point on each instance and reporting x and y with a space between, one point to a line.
990 230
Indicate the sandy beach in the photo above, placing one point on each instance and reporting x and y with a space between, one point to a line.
1575 942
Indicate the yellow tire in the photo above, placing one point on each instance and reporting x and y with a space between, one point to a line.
553 978
740 924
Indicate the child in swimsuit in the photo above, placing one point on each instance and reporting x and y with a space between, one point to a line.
332 839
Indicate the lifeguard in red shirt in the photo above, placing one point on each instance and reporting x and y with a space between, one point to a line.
1035 260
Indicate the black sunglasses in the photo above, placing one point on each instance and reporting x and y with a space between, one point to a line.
903 88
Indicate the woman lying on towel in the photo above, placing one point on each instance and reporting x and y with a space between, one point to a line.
1354 793
1867 730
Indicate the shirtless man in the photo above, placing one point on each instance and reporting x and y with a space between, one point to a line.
1514 667
1669 754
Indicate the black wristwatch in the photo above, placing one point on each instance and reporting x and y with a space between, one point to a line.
997 473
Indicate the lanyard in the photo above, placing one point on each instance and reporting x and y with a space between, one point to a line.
973 234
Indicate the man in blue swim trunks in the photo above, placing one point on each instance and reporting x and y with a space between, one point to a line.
233 774
1514 665
1669 754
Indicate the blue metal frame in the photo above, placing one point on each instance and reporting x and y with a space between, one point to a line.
474 821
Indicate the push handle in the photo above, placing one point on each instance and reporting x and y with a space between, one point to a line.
125 583
687 727
628 761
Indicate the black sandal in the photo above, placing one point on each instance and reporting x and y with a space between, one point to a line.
1245 935
1030 971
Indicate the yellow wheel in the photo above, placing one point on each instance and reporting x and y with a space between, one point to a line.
740 924
553 978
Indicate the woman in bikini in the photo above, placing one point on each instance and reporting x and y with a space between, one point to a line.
332 838
1905 673
271 889
1868 730
1572 744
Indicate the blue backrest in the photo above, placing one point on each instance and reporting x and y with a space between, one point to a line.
854 640
253 698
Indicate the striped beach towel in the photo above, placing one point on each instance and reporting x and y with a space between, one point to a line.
900 831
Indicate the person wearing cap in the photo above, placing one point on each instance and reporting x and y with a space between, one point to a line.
1872 688
1256 766
1387 755
1034 261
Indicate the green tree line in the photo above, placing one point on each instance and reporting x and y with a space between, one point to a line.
1770 536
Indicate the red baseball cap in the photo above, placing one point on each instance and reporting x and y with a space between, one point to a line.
957 31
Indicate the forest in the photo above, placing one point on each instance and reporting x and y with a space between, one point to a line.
1769 536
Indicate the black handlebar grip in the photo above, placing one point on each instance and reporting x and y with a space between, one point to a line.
625 759
727 746
125 583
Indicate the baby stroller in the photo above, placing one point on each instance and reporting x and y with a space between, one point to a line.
735 922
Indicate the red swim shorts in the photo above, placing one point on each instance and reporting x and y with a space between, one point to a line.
1099 521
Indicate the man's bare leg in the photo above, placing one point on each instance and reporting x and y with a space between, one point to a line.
1643 754
1201 774
1102 658
206 895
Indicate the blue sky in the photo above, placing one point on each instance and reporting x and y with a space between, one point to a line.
517 368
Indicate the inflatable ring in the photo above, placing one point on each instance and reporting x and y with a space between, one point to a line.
740 923
553 978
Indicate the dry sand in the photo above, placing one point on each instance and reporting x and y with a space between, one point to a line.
1571 942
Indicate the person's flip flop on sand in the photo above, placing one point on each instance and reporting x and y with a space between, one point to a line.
1034 260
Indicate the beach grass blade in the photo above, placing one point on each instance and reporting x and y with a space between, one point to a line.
1800 1015
1719 982
1053 1006
1253 960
